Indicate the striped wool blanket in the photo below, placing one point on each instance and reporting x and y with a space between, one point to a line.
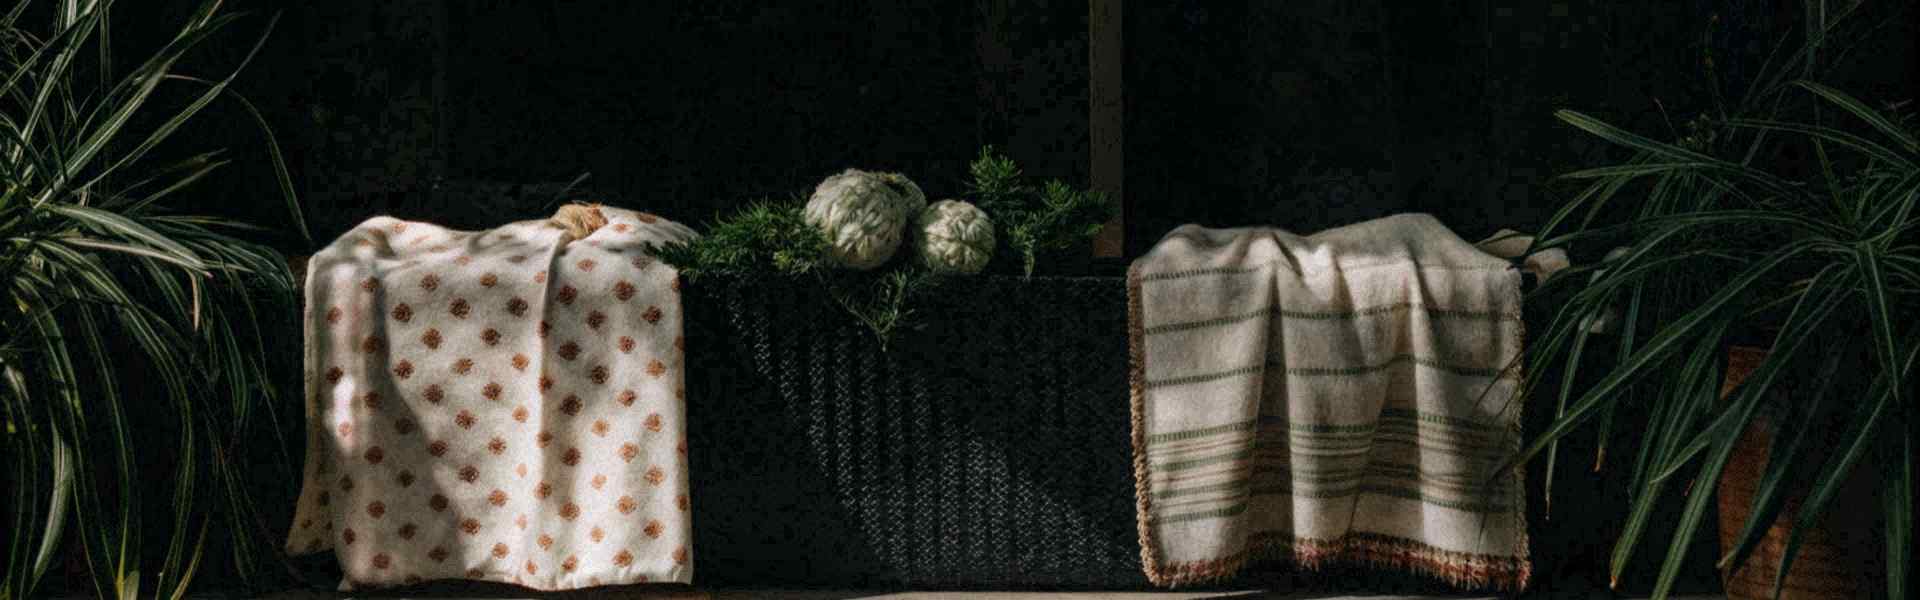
1339 397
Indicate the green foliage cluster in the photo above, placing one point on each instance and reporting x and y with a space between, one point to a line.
1033 223
765 237
101 284
1785 219
771 238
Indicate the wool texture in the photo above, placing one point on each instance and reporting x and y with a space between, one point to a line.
1340 397
504 405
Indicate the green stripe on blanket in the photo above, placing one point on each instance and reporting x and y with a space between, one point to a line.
1357 458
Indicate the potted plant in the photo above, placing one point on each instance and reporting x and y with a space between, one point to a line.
134 362
1784 226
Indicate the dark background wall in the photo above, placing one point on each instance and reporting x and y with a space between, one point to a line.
1304 114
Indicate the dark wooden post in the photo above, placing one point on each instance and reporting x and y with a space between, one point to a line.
1105 150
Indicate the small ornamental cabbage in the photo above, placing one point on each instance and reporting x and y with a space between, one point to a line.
863 215
955 237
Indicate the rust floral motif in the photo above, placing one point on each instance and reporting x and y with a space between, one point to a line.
599 327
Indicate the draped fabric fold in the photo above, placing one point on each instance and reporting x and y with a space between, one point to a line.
1344 396
501 405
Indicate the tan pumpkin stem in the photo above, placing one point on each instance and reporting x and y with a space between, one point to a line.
580 220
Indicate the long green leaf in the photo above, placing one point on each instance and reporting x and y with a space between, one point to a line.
1808 319
1661 346
1897 500
1782 459
1860 111
1857 440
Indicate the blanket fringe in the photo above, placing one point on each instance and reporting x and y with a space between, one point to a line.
1465 570
1137 393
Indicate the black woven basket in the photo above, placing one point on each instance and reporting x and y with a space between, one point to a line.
989 448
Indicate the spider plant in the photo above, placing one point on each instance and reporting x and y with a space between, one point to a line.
98 280
1726 238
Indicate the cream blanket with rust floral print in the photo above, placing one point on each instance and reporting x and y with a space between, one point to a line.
502 405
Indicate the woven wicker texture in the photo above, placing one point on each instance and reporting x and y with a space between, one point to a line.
987 448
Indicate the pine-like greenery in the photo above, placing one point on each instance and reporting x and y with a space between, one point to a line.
770 238
765 237
1034 223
